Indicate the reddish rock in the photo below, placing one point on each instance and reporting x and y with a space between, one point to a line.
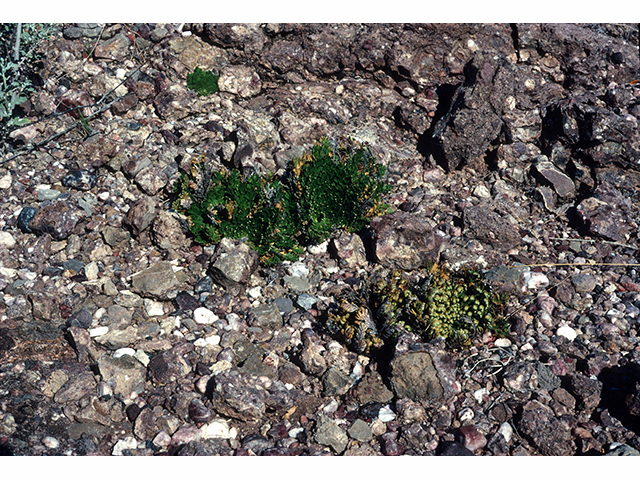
471 438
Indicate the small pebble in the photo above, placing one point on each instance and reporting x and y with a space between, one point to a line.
127 443
567 332
5 182
153 307
204 316
386 414
142 357
50 442
506 431
98 331
124 351
481 191
91 271
502 342
162 439
533 281
217 429
7 240
472 438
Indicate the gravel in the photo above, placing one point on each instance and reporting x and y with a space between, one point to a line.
119 335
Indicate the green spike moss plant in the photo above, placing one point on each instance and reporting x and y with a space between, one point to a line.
330 187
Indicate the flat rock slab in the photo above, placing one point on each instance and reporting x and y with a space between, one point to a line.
423 372
158 281
562 184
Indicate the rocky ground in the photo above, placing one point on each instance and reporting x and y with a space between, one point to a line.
506 146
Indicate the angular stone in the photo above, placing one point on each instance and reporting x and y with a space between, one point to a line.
236 396
125 374
349 248
587 392
168 367
474 119
233 263
116 48
360 430
145 427
583 282
167 232
336 382
296 283
372 389
141 214
115 339
472 438
75 388
240 80
313 363
151 179
608 213
405 241
562 184
266 316
414 376
523 126
328 432
158 281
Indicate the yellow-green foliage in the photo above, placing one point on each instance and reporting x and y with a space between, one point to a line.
328 188
454 305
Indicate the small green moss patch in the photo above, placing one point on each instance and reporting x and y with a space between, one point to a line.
203 82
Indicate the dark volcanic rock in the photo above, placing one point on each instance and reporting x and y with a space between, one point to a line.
58 219
475 117
549 434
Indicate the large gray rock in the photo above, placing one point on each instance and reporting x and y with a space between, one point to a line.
125 374
328 432
489 227
425 372
233 263
157 281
